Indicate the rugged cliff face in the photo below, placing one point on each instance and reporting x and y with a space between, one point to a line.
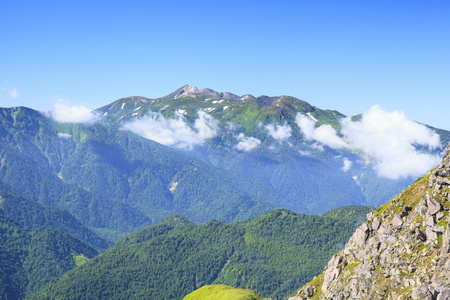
401 252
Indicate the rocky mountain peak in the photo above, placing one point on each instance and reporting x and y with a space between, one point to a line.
401 252
192 91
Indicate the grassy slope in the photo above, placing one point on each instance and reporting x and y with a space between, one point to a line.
222 292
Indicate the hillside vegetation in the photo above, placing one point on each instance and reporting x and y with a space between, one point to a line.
272 254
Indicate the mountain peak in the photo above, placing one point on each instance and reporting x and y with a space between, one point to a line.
192 91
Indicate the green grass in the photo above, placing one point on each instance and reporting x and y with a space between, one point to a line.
222 292
80 260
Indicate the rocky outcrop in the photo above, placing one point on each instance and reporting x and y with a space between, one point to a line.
192 91
401 252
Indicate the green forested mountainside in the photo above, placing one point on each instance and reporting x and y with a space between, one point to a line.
272 254
29 214
30 258
222 292
114 181
350 213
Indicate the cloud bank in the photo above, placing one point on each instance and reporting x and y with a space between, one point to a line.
174 132
391 140
246 143
65 113
280 133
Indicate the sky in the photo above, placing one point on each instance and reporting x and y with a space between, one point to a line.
342 55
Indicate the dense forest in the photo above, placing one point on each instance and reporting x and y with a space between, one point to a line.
272 254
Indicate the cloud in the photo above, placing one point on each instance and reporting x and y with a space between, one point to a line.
391 140
279 132
12 91
64 135
247 143
174 132
65 113
395 144
347 164
324 134
206 126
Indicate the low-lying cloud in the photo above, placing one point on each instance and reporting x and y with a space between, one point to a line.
175 132
280 133
64 135
390 139
246 143
65 113
347 164
324 134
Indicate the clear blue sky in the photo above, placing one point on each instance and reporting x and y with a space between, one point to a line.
343 55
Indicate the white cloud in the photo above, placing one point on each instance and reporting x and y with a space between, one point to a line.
279 132
65 113
347 164
174 132
11 91
247 143
391 140
388 138
64 135
324 134
206 126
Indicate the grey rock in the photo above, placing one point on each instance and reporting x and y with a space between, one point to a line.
309 291
375 224
438 229
433 205
431 235
430 221
361 234
397 221
444 295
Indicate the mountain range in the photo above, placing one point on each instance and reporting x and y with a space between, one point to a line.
72 187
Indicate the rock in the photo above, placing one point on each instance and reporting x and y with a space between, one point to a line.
439 215
361 234
420 236
430 221
444 295
431 235
433 205
375 224
438 229
309 291
397 221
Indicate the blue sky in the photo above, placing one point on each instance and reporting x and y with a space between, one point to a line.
343 55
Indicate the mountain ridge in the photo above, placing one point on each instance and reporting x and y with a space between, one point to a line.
400 252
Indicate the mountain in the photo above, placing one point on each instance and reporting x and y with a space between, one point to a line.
114 181
195 152
261 138
400 252
30 258
271 254
32 215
